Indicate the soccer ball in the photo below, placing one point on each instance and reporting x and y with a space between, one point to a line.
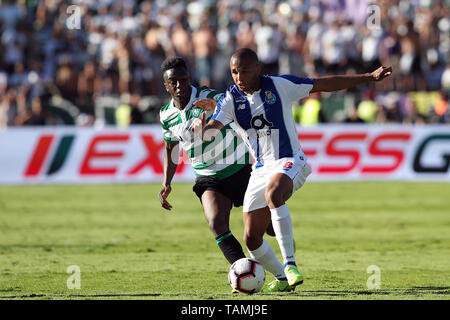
246 276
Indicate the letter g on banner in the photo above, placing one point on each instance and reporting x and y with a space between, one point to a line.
418 164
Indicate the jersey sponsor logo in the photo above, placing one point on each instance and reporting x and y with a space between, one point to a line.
259 122
264 133
287 165
270 97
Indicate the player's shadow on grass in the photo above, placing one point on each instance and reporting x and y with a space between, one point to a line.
62 296
414 291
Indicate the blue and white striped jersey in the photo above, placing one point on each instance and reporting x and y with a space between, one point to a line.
265 117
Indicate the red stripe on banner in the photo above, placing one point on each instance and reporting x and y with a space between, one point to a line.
152 160
353 154
309 136
92 153
39 155
376 151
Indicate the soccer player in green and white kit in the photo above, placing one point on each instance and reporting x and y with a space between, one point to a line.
221 180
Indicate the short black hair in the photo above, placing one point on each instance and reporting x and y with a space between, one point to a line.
247 54
173 62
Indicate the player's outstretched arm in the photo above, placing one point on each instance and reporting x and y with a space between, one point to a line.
206 104
206 131
340 82
170 150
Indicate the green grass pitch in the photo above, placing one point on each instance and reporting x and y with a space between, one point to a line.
127 247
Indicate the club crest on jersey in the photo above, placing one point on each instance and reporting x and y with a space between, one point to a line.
196 112
270 97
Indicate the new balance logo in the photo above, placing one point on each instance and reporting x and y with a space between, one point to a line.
241 106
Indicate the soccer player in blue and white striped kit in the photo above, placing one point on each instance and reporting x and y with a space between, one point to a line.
261 106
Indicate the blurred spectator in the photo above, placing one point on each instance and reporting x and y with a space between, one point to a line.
296 41
353 116
88 87
120 45
269 42
35 117
245 37
310 113
128 112
182 43
370 53
66 80
13 41
445 79
367 108
123 112
205 46
441 108
136 116
314 50
333 44
11 13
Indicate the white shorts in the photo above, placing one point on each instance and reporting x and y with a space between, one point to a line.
296 168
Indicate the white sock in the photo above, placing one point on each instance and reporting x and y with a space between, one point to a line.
266 256
282 225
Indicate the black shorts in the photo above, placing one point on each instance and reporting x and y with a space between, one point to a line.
233 187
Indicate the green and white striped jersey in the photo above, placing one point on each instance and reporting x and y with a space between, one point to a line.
222 157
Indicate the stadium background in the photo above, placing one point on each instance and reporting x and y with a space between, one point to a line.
81 105
110 64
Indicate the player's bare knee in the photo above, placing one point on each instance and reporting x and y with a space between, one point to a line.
273 197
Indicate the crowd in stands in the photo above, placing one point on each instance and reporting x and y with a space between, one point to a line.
54 67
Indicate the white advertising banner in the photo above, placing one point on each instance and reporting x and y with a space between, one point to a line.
111 155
